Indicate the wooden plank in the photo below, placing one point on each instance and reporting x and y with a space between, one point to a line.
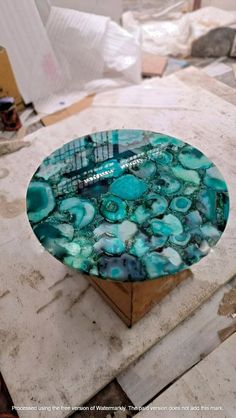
71 110
185 346
209 388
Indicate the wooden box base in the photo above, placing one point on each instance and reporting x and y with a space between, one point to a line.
132 300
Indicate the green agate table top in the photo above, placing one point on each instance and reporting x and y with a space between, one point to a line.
128 205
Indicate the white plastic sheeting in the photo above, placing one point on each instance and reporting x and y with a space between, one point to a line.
74 54
94 53
175 36
33 60
89 46
78 41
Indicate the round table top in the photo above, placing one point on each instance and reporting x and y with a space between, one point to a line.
128 205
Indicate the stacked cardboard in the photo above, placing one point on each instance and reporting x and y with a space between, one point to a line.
8 86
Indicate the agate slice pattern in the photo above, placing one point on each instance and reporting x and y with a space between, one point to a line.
128 205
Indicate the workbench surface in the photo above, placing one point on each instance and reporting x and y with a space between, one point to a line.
60 343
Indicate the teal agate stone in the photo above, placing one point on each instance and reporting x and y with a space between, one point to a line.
128 187
128 205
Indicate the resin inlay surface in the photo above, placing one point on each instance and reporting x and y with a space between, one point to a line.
128 205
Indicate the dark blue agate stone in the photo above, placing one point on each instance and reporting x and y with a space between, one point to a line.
128 205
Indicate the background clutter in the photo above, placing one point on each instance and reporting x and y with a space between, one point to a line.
74 54
67 54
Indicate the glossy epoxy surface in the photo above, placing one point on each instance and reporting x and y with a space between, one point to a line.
128 205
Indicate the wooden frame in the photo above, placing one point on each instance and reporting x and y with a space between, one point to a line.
132 300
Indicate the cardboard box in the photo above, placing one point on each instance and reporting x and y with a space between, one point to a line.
8 86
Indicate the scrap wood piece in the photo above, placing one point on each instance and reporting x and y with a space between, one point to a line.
68 111
153 65
196 4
